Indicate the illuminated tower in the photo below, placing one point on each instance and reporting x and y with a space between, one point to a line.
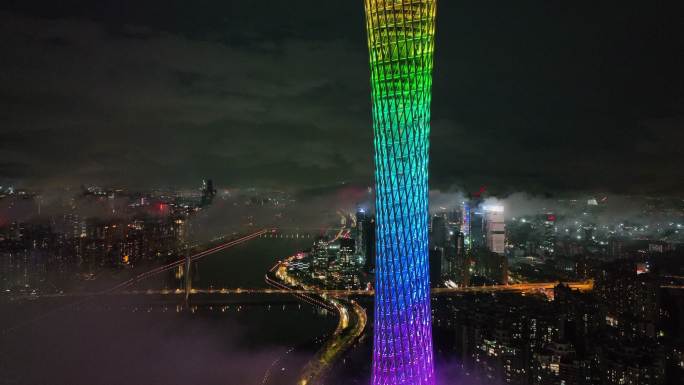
400 42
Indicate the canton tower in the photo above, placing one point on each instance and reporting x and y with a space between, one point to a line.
401 45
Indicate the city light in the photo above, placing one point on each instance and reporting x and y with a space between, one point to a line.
495 209
401 44
212 158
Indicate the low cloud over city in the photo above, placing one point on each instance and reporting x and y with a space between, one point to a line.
368 192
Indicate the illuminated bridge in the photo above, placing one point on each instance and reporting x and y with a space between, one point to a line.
191 258
517 288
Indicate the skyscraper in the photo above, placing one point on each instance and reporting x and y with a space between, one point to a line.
208 192
440 233
495 227
465 225
401 45
369 244
549 242
365 238
478 232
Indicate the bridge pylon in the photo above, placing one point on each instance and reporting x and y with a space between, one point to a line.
188 279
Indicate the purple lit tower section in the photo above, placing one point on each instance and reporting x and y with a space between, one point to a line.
401 44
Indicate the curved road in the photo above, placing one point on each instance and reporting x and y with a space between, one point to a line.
351 324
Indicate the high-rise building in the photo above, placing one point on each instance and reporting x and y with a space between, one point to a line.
208 192
401 45
465 225
549 241
361 218
630 299
460 271
495 229
436 265
440 232
320 259
345 264
369 244
477 229
365 238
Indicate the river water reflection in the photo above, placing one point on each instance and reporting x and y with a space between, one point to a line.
156 340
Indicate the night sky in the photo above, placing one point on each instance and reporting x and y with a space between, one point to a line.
537 96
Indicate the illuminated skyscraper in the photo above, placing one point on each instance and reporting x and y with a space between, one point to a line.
208 192
401 44
495 228
465 225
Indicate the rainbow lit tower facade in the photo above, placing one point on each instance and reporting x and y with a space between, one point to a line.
401 45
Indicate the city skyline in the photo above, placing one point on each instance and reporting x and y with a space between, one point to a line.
341 193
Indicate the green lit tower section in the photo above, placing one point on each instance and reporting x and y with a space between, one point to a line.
401 44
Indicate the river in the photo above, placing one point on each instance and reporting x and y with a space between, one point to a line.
150 340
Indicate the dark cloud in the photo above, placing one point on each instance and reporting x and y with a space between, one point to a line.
536 97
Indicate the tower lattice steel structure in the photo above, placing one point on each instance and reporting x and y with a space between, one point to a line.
401 45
